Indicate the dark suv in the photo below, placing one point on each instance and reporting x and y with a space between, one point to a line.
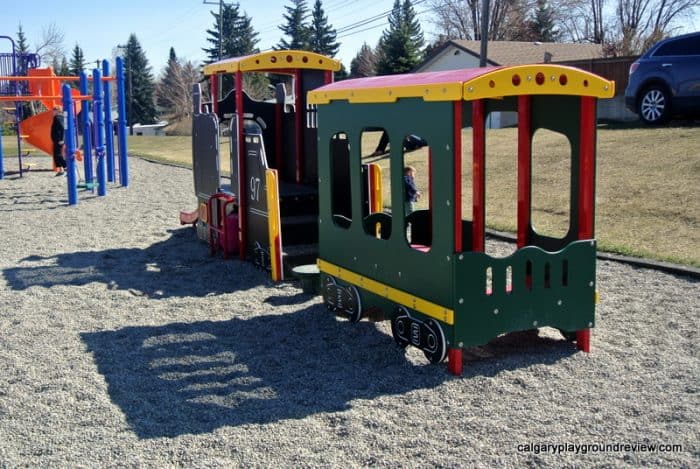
665 81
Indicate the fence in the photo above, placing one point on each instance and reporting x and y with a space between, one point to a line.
611 68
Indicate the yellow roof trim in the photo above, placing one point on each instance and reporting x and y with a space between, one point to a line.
389 94
273 60
536 80
426 307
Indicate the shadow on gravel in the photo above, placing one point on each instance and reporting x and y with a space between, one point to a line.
192 378
180 266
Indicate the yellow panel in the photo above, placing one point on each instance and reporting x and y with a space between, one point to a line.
538 79
426 307
273 225
389 94
274 60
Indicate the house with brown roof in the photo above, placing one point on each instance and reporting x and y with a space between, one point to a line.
456 54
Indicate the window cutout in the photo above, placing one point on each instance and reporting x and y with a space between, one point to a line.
565 273
376 167
509 279
547 275
501 136
466 186
489 281
341 200
417 189
528 275
551 183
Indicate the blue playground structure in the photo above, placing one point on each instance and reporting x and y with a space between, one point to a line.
21 80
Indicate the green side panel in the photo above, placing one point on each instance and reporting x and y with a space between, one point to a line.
559 292
391 261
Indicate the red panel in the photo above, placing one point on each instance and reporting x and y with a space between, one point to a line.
524 168
328 77
242 218
457 156
298 126
586 169
479 175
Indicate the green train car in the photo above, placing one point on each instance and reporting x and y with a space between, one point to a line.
426 269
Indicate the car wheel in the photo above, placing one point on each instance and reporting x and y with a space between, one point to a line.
654 106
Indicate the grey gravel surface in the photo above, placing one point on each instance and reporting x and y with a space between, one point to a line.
122 343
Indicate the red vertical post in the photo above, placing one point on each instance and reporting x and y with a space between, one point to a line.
242 218
457 157
327 77
430 181
298 127
583 340
524 168
214 93
479 176
454 363
586 189
586 170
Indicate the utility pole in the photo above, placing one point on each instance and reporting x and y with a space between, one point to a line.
484 32
221 23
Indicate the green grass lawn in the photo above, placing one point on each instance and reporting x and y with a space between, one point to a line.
647 188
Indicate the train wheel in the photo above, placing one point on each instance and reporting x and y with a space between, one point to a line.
344 301
435 349
400 327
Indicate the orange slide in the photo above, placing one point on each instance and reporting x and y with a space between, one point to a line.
36 130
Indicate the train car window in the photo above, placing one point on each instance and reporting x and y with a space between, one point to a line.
551 183
501 137
466 186
374 149
417 192
341 200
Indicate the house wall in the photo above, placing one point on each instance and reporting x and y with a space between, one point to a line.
452 58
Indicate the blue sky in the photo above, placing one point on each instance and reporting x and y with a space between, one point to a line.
98 26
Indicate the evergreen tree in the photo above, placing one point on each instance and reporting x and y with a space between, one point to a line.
296 27
61 68
140 88
322 34
399 48
542 25
341 74
166 89
364 64
238 38
22 45
77 61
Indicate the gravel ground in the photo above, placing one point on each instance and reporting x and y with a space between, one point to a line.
122 343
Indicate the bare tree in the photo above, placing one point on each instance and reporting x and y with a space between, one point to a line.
50 47
461 19
641 23
175 93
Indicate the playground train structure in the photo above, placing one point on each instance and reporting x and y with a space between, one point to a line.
305 187
87 113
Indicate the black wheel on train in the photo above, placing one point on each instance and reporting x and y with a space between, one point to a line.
436 345
399 327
